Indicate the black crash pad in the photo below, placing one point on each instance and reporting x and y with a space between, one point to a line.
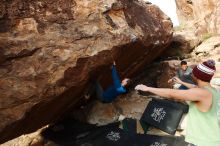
164 114
118 137
73 133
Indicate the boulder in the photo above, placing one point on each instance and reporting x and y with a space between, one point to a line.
51 49
208 49
182 45
201 14
168 70
131 105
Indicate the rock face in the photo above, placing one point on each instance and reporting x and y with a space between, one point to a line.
182 45
199 20
168 71
32 139
50 49
209 48
130 105
203 14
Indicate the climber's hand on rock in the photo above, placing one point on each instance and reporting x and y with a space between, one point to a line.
114 63
141 87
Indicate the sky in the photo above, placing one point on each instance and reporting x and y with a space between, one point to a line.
169 8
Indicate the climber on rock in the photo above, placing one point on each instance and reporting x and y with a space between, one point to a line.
117 88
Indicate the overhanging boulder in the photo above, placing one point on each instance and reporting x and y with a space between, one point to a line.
51 48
